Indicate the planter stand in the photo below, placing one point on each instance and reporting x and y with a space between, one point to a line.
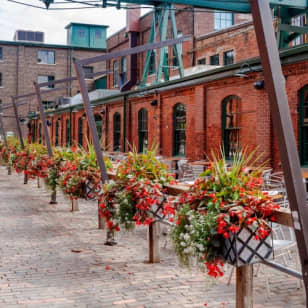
53 199
25 178
75 206
38 182
9 170
244 286
154 250
101 221
110 239
243 249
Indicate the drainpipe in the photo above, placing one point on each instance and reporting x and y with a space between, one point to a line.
133 63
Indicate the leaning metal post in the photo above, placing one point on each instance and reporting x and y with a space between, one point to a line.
53 199
275 85
9 171
19 133
96 143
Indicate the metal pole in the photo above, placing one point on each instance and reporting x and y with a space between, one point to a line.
91 120
18 123
275 85
53 198
19 133
9 170
43 118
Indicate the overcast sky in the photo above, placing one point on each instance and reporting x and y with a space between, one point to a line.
16 17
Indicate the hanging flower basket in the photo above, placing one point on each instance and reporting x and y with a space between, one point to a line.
243 248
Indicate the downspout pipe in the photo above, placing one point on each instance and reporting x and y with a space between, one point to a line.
133 64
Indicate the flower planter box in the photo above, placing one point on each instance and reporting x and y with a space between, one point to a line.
242 248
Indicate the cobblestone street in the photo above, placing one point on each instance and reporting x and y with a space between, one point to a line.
51 257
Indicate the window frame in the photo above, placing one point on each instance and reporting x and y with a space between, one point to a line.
48 80
99 128
215 56
115 73
143 130
117 132
226 57
201 60
221 19
234 129
87 73
68 132
1 80
57 128
80 131
152 66
47 51
1 54
177 132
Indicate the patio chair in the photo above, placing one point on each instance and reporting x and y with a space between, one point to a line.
197 170
186 172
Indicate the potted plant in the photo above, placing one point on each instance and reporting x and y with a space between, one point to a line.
225 216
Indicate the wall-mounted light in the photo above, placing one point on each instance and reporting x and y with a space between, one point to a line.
259 85
154 102
102 111
83 116
245 68
48 123
59 119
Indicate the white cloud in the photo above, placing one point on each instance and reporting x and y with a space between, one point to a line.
15 17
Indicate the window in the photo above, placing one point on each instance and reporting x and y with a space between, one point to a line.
98 124
1 53
81 33
48 105
57 134
231 125
117 132
303 125
33 131
98 34
43 79
40 133
1 85
214 60
300 22
175 61
46 57
223 20
228 57
80 131
68 132
201 61
115 73
152 68
88 72
143 130
123 71
179 130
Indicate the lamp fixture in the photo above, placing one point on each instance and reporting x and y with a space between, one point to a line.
259 85
48 123
245 68
154 102
83 115
102 111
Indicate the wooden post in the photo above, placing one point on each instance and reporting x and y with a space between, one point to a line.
244 286
38 182
101 221
53 197
154 234
25 178
9 169
75 206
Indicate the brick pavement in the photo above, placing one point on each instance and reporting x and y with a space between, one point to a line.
39 269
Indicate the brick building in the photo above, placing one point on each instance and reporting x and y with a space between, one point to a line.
28 59
221 100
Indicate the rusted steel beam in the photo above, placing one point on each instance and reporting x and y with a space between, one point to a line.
131 51
53 82
283 128
18 123
43 118
87 105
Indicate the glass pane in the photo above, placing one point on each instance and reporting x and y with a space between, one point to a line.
179 115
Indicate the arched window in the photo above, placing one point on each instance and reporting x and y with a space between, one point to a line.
143 130
115 72
33 131
231 106
80 131
117 132
40 133
68 132
179 130
98 124
57 134
303 125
